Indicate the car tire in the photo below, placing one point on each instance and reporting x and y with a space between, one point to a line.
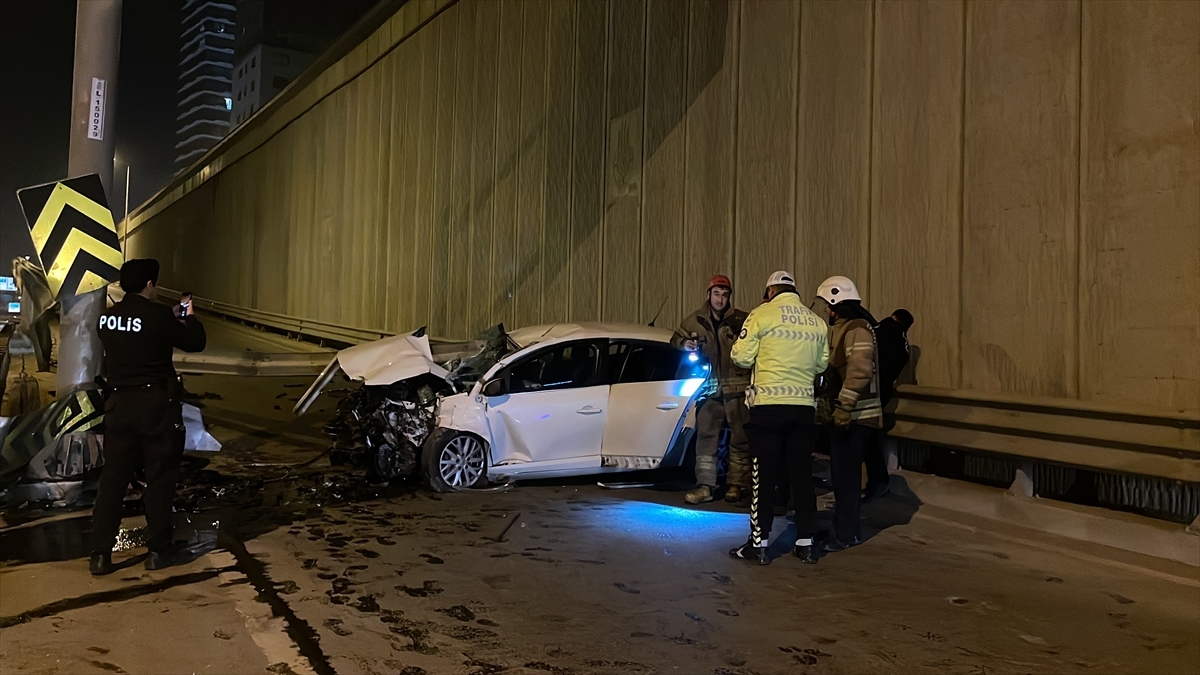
455 461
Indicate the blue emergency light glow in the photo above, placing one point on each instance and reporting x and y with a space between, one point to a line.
693 358
656 523
689 387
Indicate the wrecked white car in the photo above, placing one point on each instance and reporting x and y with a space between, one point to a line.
558 400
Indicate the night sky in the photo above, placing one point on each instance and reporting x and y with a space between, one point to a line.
38 53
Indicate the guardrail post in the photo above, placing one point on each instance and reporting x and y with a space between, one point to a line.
1022 485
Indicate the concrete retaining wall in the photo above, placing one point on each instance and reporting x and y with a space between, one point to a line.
1024 176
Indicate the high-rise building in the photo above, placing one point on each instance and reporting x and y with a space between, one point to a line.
277 40
205 78
260 75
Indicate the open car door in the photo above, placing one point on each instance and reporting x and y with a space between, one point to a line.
653 387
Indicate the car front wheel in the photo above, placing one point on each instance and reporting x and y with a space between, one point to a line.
455 461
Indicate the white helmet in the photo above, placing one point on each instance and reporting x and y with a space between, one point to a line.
836 289
781 278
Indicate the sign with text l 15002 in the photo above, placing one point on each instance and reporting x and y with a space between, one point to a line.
96 111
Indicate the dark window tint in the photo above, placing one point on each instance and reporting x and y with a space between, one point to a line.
559 367
652 362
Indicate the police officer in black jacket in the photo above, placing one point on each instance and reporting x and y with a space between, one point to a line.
143 418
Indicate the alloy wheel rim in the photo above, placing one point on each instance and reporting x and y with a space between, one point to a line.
461 462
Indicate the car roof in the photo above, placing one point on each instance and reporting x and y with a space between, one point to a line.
584 330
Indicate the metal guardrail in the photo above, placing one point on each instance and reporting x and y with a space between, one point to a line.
252 364
1058 431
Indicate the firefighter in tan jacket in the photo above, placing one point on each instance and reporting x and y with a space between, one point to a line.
852 392
712 330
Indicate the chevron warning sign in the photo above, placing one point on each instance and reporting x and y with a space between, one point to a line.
73 233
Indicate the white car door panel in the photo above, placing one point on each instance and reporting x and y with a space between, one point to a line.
548 425
553 407
652 392
643 418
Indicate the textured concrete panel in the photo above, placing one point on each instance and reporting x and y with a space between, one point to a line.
441 216
662 202
916 192
587 162
426 165
764 234
483 148
834 143
1021 181
560 93
711 133
623 166
531 173
508 149
458 206
1140 205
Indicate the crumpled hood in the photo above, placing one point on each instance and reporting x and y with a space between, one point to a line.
389 360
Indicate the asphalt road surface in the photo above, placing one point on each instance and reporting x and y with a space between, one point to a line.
307 569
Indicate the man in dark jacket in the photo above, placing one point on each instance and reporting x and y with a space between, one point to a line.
712 330
892 337
143 417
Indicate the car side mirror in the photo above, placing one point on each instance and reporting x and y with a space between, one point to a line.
495 387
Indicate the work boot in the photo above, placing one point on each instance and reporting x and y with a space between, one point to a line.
733 494
171 557
833 544
807 553
748 551
699 495
100 564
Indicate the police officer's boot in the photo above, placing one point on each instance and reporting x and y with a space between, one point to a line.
100 564
699 495
749 551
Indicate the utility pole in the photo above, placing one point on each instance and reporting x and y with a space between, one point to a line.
93 117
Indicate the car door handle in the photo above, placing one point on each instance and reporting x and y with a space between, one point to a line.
589 410
668 406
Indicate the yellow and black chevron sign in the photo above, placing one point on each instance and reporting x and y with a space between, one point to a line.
73 233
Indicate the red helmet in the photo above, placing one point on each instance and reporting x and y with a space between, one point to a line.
720 280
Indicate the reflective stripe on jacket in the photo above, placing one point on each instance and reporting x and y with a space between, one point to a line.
787 345
856 360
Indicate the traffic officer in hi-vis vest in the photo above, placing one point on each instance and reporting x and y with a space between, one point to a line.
143 417
787 346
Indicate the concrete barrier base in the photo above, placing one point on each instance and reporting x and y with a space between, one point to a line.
1125 531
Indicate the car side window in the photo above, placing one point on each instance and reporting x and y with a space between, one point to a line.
562 366
650 362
